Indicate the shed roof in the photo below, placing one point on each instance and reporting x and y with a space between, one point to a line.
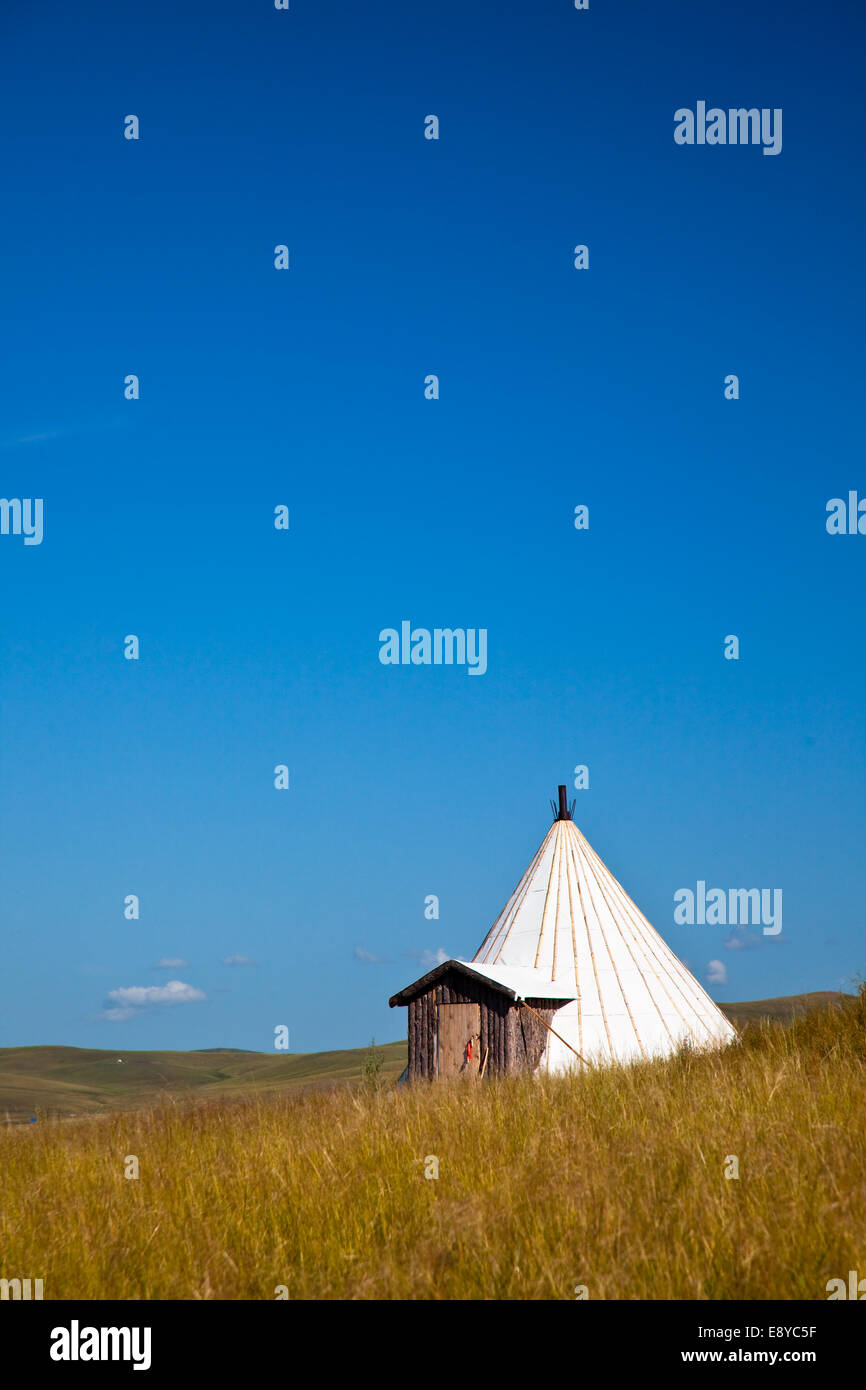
518 982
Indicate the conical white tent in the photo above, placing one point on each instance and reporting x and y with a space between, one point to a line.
569 929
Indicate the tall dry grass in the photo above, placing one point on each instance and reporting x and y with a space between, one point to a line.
613 1180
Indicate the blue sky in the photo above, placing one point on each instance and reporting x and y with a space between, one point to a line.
306 388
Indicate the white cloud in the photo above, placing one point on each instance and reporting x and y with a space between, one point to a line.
237 960
741 939
430 959
716 973
136 999
169 963
367 957
31 438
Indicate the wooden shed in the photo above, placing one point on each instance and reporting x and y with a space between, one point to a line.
464 1022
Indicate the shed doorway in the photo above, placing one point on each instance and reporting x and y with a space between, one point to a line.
458 1039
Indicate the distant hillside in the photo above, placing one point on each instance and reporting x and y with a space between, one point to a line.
44 1081
67 1081
785 1008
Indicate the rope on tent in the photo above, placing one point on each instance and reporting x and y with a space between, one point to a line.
524 1005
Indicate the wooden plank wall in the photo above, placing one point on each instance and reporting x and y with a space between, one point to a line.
511 1038
528 1035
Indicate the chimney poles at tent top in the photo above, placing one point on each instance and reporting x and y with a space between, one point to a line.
565 811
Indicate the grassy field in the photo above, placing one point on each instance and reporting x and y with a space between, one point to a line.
614 1180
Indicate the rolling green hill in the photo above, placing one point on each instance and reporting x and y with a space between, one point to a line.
67 1081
